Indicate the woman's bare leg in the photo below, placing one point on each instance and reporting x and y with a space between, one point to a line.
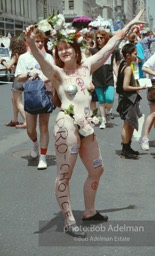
66 146
93 162
17 95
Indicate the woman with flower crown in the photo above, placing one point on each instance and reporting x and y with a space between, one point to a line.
73 131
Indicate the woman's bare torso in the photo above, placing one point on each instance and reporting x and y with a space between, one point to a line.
75 90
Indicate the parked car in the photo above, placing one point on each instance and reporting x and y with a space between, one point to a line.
4 73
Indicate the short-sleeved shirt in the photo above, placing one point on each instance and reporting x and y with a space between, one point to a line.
27 63
150 63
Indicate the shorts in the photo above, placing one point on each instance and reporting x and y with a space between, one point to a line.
129 111
16 86
106 94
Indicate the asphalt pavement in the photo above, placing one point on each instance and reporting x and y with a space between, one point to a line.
30 220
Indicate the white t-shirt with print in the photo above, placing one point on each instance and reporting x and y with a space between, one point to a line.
150 63
27 63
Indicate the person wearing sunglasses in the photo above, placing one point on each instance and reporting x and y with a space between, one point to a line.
103 80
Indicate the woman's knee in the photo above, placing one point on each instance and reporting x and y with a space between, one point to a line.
31 132
98 173
109 98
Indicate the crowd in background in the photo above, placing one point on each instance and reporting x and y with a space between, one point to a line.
104 79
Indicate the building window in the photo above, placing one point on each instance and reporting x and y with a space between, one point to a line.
71 4
63 5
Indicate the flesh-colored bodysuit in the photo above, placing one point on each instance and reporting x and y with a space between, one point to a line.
69 142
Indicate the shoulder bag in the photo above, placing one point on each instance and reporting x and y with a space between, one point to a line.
37 99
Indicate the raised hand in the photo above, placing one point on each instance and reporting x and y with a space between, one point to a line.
136 19
29 33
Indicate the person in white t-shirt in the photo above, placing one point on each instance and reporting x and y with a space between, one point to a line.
149 68
29 68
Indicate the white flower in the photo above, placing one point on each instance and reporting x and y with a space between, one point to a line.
86 130
61 17
42 21
64 32
58 26
95 120
80 120
44 26
80 39
85 126
53 32
60 21
71 31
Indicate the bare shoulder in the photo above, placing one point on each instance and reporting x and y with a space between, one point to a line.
128 70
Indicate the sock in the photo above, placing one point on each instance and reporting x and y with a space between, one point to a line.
43 151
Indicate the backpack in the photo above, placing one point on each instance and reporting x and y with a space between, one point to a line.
120 77
37 99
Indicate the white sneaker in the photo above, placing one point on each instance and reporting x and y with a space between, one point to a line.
102 125
34 152
42 162
144 144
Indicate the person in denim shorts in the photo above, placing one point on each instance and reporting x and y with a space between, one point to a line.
17 47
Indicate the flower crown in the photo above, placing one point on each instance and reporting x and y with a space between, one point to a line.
60 30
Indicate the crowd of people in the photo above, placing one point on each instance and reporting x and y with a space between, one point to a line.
84 79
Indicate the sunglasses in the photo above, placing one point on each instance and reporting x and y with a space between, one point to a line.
99 37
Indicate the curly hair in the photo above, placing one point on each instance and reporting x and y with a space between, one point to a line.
17 46
104 34
75 45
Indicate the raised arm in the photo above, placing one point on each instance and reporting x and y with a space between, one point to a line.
101 56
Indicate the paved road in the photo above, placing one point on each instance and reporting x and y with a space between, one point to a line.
30 220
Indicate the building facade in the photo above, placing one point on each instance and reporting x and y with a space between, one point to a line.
73 9
16 15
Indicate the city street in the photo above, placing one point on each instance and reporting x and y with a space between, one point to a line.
30 219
